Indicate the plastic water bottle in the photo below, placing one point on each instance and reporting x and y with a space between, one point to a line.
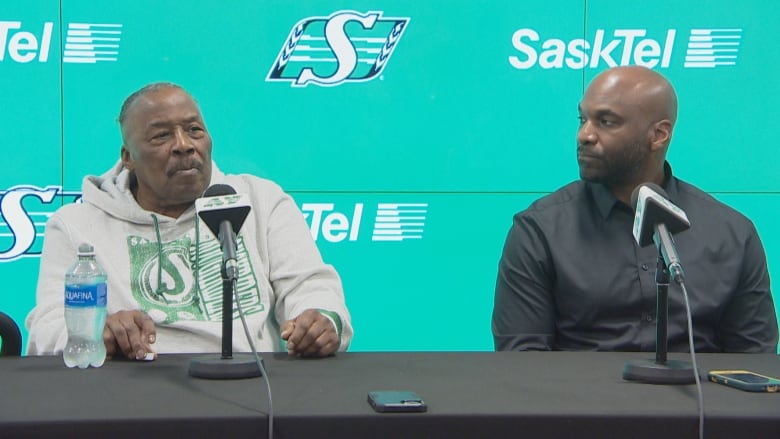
85 311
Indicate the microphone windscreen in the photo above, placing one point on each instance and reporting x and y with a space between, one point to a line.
653 186
652 207
220 203
216 190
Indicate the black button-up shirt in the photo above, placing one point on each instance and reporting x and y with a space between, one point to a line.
572 277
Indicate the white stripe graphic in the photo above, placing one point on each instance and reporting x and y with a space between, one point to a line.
86 43
399 221
90 25
90 46
710 31
710 48
708 64
710 38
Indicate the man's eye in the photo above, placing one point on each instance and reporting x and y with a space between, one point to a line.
606 122
160 135
581 119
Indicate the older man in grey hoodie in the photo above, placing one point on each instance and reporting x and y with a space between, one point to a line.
164 284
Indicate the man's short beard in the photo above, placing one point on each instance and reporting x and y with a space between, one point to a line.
618 173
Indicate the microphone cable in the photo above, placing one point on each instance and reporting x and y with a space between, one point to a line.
700 398
257 359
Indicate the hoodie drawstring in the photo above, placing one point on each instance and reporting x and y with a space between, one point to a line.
197 260
159 291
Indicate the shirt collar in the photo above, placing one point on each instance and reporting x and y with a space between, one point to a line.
670 184
605 201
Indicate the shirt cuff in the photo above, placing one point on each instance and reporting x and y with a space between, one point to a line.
334 318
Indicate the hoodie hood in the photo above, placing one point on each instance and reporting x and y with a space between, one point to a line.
111 193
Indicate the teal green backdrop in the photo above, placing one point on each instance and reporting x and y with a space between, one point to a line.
456 115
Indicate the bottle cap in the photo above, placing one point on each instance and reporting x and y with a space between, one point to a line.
86 249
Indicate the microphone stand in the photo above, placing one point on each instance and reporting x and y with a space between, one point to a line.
661 310
660 371
227 366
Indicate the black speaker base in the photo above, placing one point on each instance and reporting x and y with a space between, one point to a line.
650 372
217 368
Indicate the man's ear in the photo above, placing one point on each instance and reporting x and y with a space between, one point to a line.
661 135
127 160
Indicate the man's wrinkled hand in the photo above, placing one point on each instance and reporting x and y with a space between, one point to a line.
311 334
130 333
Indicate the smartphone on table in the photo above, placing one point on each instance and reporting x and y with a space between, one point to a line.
396 401
745 380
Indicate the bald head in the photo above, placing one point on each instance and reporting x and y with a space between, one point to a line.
626 120
644 88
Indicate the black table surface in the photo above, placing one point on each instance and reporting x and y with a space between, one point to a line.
469 394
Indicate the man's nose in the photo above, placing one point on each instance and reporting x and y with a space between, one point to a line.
585 134
183 144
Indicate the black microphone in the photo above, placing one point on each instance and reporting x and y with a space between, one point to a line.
656 220
224 212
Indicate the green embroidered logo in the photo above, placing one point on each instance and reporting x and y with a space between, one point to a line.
170 287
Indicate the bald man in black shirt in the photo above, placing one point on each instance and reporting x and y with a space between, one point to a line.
571 276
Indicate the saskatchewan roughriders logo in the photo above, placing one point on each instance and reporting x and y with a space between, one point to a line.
346 46
179 295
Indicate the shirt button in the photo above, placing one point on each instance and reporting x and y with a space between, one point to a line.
644 267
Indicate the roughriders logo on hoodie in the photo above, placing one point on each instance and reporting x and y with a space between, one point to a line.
162 283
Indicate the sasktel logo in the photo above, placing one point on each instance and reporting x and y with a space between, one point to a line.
706 48
25 210
391 222
84 42
346 46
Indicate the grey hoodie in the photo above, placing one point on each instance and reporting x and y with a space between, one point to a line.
281 271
